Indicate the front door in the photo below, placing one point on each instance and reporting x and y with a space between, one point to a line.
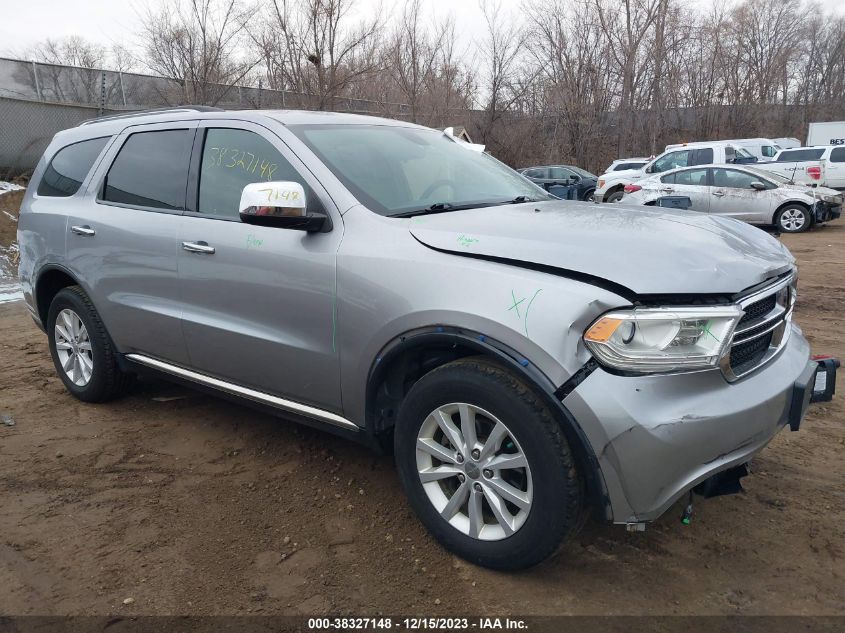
732 195
125 244
259 302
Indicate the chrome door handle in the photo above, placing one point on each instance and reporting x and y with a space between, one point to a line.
198 247
667 190
718 194
85 231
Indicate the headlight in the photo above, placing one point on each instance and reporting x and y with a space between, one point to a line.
662 340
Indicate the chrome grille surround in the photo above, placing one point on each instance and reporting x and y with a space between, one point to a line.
762 331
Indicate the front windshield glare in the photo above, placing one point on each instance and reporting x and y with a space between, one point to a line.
393 169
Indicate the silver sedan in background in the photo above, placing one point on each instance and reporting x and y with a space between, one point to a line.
741 192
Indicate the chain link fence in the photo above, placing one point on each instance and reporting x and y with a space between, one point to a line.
37 100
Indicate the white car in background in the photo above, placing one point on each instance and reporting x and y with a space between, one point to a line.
610 186
624 164
740 192
761 148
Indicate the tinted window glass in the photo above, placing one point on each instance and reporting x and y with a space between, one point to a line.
70 165
671 161
560 173
622 166
231 159
668 179
837 155
733 179
539 174
789 156
768 151
703 156
151 170
696 177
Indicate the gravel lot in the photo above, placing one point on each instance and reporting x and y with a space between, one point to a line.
191 505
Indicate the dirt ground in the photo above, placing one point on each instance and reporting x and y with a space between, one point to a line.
192 505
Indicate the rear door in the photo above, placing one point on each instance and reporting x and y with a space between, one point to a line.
691 183
259 300
835 169
732 195
123 242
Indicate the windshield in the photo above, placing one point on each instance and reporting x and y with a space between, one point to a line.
581 172
395 170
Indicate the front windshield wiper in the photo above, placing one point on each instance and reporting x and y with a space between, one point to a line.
443 207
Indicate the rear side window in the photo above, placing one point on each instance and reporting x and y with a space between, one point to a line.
837 155
622 166
702 156
696 177
790 156
70 165
151 170
768 151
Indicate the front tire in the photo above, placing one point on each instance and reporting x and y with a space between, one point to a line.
793 218
82 351
486 466
588 195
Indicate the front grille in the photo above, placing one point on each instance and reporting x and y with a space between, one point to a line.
746 356
758 309
761 330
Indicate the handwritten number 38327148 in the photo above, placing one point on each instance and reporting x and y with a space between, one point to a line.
233 158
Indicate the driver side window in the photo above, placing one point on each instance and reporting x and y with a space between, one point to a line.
232 159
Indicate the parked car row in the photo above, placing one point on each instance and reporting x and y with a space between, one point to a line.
742 192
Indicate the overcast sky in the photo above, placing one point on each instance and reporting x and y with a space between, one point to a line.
117 21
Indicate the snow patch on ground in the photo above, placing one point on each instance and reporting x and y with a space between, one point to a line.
10 289
5 187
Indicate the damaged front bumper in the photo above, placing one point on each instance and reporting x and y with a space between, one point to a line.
657 437
825 211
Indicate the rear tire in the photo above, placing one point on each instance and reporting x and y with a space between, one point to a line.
543 500
793 218
82 350
616 196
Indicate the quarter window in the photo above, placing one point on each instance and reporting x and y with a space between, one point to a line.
70 165
151 170
232 159
768 151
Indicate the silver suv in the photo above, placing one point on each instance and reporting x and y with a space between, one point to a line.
530 361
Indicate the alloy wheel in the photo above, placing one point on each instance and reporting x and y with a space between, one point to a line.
792 219
474 472
73 347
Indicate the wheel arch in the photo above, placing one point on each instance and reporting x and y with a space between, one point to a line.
408 357
792 203
614 189
51 279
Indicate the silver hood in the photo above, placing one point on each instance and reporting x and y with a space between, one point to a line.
647 250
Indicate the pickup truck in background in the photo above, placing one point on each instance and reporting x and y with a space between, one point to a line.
823 166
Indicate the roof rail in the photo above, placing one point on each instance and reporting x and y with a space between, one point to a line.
136 113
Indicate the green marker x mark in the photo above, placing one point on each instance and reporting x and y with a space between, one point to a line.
516 304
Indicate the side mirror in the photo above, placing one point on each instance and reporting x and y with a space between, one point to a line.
759 186
279 204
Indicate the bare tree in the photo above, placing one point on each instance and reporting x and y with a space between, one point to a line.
317 47
197 44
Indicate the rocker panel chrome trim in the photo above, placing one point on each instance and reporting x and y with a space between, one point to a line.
246 392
